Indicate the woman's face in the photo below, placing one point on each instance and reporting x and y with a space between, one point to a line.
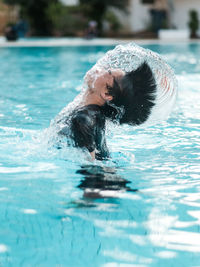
99 79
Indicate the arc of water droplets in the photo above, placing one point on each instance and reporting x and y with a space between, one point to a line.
129 57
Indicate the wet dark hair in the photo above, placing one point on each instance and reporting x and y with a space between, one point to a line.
135 94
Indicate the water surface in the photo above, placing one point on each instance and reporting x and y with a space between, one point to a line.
57 209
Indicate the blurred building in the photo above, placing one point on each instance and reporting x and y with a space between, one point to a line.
140 19
139 16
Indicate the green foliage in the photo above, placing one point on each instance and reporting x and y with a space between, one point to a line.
55 11
10 2
36 14
193 22
96 9
116 3
49 16
112 19
66 20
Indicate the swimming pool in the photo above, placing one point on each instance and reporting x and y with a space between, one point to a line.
142 208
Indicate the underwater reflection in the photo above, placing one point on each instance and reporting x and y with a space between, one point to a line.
102 182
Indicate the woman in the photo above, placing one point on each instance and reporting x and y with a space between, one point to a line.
114 94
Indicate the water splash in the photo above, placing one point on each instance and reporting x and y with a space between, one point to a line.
129 57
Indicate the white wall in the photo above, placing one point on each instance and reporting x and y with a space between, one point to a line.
139 15
123 17
180 16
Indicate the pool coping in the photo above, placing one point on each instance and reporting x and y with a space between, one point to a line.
53 42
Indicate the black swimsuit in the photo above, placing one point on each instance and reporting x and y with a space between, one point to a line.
86 128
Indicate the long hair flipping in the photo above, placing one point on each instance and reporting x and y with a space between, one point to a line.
136 94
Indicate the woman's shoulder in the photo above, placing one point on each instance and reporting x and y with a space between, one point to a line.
88 111
91 107
86 114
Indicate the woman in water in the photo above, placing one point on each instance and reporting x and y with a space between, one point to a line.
112 94
129 85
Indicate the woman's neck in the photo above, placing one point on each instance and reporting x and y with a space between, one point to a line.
91 98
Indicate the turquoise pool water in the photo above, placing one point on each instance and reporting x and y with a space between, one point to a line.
142 208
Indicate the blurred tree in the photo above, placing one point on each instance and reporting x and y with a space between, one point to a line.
193 23
66 20
46 17
96 9
35 12
113 21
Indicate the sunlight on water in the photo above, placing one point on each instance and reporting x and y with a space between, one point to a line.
140 208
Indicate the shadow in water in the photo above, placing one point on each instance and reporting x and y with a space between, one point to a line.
101 186
102 182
